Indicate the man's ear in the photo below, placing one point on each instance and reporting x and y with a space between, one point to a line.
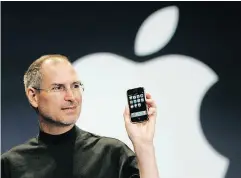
32 96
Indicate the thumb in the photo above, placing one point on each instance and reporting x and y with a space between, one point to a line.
126 114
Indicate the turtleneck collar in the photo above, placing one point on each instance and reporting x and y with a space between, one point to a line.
64 138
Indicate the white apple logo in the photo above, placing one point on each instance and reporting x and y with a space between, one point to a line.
178 83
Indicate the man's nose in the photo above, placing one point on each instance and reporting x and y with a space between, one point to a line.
69 94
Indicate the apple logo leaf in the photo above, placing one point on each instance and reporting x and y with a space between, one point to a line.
156 31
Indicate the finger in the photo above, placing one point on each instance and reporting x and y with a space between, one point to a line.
126 114
148 95
151 103
152 116
151 111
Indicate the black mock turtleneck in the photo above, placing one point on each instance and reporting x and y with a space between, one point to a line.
74 154
61 148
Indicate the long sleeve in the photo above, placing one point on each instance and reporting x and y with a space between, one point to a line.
4 168
128 164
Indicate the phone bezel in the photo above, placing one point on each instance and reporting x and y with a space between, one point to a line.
140 118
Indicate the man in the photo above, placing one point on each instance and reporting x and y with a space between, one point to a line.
61 149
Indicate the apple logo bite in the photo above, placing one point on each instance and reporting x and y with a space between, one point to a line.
178 84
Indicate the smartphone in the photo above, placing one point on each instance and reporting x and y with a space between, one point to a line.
137 104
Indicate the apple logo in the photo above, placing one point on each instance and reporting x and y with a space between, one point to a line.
178 84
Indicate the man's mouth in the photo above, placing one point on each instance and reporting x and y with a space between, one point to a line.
69 108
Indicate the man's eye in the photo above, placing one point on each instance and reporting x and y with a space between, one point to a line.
76 85
56 88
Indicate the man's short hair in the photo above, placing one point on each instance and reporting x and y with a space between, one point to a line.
33 76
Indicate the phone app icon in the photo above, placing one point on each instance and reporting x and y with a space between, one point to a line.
142 99
139 104
134 101
130 97
138 96
141 95
135 105
132 106
131 101
138 100
134 97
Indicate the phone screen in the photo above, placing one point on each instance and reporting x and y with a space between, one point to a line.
137 104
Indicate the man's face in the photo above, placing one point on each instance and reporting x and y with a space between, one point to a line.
61 107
